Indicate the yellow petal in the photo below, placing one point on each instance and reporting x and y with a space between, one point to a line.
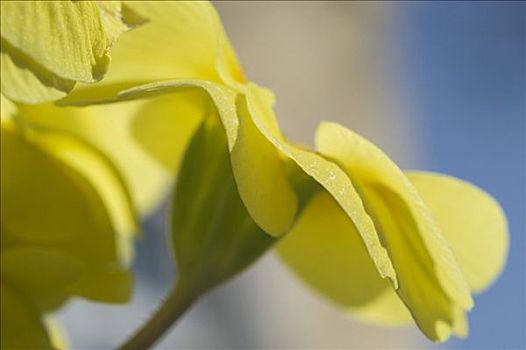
164 125
471 220
108 129
70 39
58 337
21 326
41 274
76 201
7 108
257 165
28 82
260 177
325 250
431 282
110 285
180 40
328 174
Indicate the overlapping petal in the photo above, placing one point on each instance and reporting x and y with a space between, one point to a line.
472 222
47 46
180 40
404 222
369 222
68 227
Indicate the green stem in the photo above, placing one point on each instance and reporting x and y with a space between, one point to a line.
175 305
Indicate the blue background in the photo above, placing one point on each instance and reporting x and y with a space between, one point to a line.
466 66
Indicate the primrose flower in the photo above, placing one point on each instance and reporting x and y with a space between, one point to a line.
387 245
67 228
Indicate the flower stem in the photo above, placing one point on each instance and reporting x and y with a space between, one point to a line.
175 305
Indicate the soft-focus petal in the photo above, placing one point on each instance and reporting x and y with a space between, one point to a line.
21 326
431 283
75 203
180 40
59 339
108 129
472 222
111 286
164 125
41 274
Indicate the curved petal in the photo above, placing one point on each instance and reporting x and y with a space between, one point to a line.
21 326
431 282
261 115
69 39
326 173
28 82
164 125
472 222
41 274
75 204
108 130
257 166
325 250
260 176
180 40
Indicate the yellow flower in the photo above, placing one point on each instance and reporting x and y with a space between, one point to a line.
368 222
67 228
388 246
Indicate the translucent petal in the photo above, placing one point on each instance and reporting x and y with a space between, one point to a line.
430 280
257 165
328 174
164 125
180 40
472 222
28 82
70 39
326 251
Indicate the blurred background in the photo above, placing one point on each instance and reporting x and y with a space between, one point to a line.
438 85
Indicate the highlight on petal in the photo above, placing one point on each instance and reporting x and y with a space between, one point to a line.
472 222
260 176
7 108
257 164
431 283
180 40
326 173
